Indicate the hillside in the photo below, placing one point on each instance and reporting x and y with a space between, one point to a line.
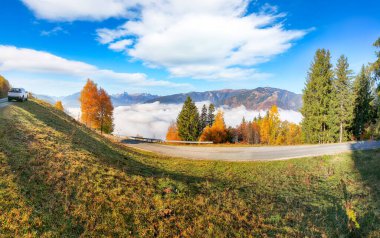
254 99
60 179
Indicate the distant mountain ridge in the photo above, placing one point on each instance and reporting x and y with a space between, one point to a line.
261 98
122 99
125 99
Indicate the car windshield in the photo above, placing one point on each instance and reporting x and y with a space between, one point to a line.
15 90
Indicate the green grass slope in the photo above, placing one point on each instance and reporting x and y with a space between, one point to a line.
59 179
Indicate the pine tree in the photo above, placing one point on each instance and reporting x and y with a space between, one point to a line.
203 118
316 109
4 87
211 116
58 105
343 98
241 131
375 68
376 65
188 121
362 103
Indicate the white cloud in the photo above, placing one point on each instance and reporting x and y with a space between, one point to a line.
205 39
213 39
15 59
120 45
70 10
152 120
53 31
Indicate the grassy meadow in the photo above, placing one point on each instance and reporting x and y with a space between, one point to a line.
60 179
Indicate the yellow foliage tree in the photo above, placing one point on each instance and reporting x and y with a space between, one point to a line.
264 130
4 87
294 135
104 112
217 133
274 124
270 126
172 133
58 105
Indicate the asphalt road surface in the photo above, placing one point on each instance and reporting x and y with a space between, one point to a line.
3 102
253 153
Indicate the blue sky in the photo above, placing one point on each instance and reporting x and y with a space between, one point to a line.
163 47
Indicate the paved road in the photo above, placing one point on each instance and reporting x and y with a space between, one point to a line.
3 102
254 153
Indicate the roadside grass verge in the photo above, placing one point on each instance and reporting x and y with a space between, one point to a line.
60 179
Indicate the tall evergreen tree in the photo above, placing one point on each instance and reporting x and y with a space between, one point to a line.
362 104
203 118
188 121
343 100
211 116
375 67
317 100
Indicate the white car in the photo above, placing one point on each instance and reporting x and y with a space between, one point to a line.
18 94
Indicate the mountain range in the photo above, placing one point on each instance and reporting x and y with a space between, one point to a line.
255 99
122 99
261 98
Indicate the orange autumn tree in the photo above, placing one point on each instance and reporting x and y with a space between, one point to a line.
104 112
217 133
96 108
58 105
89 104
172 133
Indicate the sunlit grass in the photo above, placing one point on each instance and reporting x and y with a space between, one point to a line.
59 179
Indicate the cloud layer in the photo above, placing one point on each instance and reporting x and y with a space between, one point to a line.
213 39
33 61
152 120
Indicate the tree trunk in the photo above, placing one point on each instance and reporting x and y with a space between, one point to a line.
101 126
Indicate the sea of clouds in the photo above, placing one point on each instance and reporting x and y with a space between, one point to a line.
153 119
